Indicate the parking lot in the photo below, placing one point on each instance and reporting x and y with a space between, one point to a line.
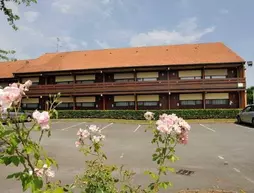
219 154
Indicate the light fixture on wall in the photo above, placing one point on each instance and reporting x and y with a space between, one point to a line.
101 94
169 93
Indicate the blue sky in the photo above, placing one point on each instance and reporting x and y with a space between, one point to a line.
97 24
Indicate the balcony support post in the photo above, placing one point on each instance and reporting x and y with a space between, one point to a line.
203 73
203 99
103 102
74 102
136 103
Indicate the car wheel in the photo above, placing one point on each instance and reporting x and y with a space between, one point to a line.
238 119
252 122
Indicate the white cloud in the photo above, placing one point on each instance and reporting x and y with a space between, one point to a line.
31 16
186 32
83 7
84 44
102 44
224 11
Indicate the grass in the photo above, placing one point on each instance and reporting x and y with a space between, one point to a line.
142 122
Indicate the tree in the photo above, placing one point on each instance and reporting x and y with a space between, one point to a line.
11 18
250 95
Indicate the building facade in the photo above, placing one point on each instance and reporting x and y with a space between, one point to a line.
192 76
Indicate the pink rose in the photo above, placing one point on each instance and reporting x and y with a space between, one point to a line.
183 138
77 143
42 119
38 172
164 129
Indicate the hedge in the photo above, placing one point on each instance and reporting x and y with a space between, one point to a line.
139 114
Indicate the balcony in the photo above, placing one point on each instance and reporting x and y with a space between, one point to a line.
230 84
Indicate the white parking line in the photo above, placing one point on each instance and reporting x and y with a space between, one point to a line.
238 171
250 180
220 157
106 126
73 126
137 128
207 128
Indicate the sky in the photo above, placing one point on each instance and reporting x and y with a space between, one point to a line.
100 24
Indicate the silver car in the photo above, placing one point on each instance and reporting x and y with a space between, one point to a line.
246 115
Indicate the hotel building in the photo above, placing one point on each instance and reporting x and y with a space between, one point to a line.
188 76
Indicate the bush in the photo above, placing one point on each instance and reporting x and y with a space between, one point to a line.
139 114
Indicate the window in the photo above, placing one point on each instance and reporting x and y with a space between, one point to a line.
65 82
30 105
84 81
148 103
191 102
215 77
65 106
146 79
190 78
124 104
124 80
217 102
85 104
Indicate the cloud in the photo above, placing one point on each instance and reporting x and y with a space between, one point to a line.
102 44
84 44
224 11
186 32
31 16
83 7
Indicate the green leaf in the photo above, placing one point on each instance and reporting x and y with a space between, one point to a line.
58 190
26 181
39 164
28 149
37 183
36 127
15 160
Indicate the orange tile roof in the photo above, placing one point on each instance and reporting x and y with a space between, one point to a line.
8 68
185 54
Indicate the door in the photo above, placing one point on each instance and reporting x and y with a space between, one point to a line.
164 101
234 100
42 102
109 77
42 80
162 75
232 73
173 75
99 77
174 101
109 100
51 80
99 102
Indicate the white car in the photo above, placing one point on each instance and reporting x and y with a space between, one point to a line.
246 115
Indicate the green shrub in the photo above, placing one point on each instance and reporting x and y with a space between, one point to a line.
139 115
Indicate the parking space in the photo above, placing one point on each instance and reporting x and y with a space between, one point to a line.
220 155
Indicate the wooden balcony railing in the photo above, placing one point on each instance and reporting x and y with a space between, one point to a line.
140 87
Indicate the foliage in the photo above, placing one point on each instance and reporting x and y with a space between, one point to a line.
138 115
11 18
250 95
98 177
